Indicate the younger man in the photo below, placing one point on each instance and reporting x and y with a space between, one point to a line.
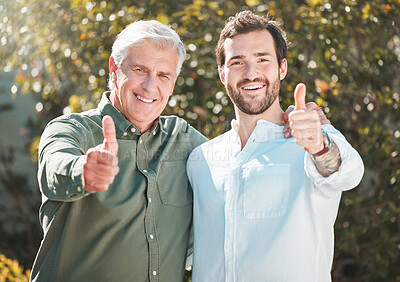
265 206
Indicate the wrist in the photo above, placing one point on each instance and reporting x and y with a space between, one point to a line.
327 144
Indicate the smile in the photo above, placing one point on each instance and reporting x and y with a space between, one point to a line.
253 87
144 99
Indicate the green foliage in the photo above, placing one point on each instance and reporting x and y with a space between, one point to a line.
346 51
11 271
20 230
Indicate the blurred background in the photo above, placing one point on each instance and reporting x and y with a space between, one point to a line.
54 60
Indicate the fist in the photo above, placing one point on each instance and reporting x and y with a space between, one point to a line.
304 124
101 165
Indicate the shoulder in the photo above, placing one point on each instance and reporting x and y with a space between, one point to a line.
75 126
78 120
218 144
174 125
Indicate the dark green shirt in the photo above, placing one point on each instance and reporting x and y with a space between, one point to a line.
138 230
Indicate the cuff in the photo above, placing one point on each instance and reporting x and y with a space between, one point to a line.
350 171
76 188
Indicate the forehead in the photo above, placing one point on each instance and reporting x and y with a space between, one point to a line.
151 56
249 43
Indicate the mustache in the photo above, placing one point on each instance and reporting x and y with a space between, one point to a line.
257 79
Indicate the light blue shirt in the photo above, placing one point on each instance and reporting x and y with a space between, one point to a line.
264 213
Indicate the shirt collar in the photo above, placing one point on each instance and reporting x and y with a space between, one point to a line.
263 132
123 126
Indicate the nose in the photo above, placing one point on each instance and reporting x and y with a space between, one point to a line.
150 83
251 71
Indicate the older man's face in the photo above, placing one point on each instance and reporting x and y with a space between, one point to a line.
144 83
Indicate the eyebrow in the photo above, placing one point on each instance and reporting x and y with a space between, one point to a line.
132 65
259 54
262 54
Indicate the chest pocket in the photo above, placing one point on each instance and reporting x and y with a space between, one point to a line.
173 184
266 190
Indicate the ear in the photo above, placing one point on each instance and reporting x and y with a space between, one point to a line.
173 87
221 74
112 68
283 69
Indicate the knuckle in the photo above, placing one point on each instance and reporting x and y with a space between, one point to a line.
311 105
314 115
91 152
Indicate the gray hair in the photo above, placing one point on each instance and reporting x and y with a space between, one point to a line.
136 33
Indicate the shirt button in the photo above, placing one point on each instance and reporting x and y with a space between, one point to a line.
140 141
154 132
133 129
125 133
151 236
79 188
154 273
145 170
149 200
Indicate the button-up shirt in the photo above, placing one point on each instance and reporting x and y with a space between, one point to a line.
264 213
137 230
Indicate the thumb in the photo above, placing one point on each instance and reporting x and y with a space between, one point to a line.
300 97
110 141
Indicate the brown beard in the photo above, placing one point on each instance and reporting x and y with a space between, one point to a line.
248 106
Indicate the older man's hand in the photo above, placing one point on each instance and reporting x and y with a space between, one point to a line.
101 165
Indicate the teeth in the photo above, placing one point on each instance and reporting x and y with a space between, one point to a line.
143 99
252 87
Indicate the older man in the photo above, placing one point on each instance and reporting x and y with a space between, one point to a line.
120 209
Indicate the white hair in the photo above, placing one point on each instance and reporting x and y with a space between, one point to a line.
136 33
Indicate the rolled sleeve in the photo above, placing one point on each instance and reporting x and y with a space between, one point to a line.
349 173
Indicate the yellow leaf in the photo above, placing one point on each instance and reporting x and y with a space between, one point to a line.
387 7
271 10
252 3
319 101
162 18
366 10
213 5
74 101
314 3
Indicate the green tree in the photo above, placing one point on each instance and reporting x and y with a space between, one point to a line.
346 51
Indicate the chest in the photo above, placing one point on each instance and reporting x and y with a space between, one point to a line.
261 183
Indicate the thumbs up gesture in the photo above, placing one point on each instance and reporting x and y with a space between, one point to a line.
110 143
101 165
305 124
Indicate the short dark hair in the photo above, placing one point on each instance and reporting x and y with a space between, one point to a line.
245 22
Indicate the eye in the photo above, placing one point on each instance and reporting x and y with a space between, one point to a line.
264 60
164 76
236 63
